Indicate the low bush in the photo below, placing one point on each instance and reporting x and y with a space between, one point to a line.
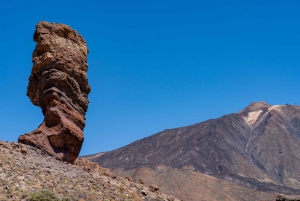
43 195
66 199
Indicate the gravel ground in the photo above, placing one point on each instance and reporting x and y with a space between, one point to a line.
25 170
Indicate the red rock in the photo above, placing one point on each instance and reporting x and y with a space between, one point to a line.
129 178
110 174
58 84
87 169
24 149
153 188
170 198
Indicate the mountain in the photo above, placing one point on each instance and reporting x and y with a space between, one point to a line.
257 148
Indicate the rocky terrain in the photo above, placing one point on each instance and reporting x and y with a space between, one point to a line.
287 198
25 169
257 148
58 84
187 185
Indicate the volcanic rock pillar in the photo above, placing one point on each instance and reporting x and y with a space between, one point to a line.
58 84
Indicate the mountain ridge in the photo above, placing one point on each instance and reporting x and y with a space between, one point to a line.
257 147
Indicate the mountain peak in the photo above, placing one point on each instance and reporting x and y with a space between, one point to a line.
255 106
236 146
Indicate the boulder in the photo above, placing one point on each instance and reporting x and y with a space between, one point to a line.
58 84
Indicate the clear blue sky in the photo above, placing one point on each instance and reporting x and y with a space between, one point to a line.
156 64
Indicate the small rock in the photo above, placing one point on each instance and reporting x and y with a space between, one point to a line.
110 174
3 176
22 185
86 169
153 188
143 192
23 149
20 178
129 179
12 189
170 198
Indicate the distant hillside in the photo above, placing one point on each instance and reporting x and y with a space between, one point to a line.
257 148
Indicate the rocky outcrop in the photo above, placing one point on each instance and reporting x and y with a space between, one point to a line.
58 84
287 198
153 188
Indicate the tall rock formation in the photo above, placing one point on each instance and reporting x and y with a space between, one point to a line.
58 84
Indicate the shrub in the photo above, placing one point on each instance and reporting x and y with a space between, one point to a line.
43 195
66 199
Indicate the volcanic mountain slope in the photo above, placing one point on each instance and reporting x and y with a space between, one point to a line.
258 148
